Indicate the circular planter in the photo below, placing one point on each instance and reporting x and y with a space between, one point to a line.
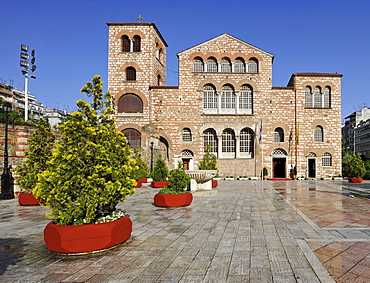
138 184
355 180
159 184
87 238
173 200
214 184
27 199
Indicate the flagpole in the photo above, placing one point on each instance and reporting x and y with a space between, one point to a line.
261 139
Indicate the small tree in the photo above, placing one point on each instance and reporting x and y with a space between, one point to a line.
209 161
356 167
142 171
91 169
178 179
160 170
41 144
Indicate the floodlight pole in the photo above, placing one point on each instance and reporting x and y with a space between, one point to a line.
26 60
26 96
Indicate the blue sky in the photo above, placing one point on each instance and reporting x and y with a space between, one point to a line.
70 39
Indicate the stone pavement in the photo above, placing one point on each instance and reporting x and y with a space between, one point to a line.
245 231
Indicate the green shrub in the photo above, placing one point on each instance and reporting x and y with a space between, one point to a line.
41 144
355 167
160 170
143 170
209 161
91 169
178 179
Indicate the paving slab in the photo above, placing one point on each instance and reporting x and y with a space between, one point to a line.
250 231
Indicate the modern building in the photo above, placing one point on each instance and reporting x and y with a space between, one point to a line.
36 110
362 138
351 122
225 99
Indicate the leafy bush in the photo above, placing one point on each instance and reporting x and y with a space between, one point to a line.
178 179
91 170
354 166
209 161
40 144
143 170
160 170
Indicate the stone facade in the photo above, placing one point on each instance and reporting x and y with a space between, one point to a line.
225 98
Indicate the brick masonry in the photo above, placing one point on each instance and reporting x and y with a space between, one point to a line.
169 109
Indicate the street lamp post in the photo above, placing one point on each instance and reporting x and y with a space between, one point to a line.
7 180
151 156
26 61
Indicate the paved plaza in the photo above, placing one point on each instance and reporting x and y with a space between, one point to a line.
244 231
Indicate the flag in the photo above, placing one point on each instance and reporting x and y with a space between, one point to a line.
261 131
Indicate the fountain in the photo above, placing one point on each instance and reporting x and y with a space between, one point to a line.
201 179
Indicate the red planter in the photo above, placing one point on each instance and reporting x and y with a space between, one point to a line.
138 184
87 238
159 184
27 199
355 180
143 180
214 184
173 200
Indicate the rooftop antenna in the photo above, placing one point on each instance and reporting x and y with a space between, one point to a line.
139 18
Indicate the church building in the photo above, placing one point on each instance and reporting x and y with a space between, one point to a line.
224 99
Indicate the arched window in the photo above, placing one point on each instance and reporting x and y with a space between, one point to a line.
137 44
198 65
253 65
186 135
130 74
227 97
326 159
226 65
164 149
246 143
159 79
228 143
212 65
246 98
318 134
327 97
209 97
210 138
239 65
133 137
130 103
317 98
308 97
125 44
279 135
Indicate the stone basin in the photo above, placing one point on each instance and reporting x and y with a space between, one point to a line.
201 176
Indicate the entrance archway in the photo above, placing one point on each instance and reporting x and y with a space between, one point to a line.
279 168
187 159
311 165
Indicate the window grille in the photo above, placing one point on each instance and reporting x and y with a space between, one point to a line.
198 65
326 159
130 103
210 138
246 97
317 98
252 66
279 152
227 97
225 65
239 66
137 44
186 135
318 134
279 135
247 141
308 97
125 44
212 65
228 141
133 137
130 74
186 153
209 97
327 97
311 154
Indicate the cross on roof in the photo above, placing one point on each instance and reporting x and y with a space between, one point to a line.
139 18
